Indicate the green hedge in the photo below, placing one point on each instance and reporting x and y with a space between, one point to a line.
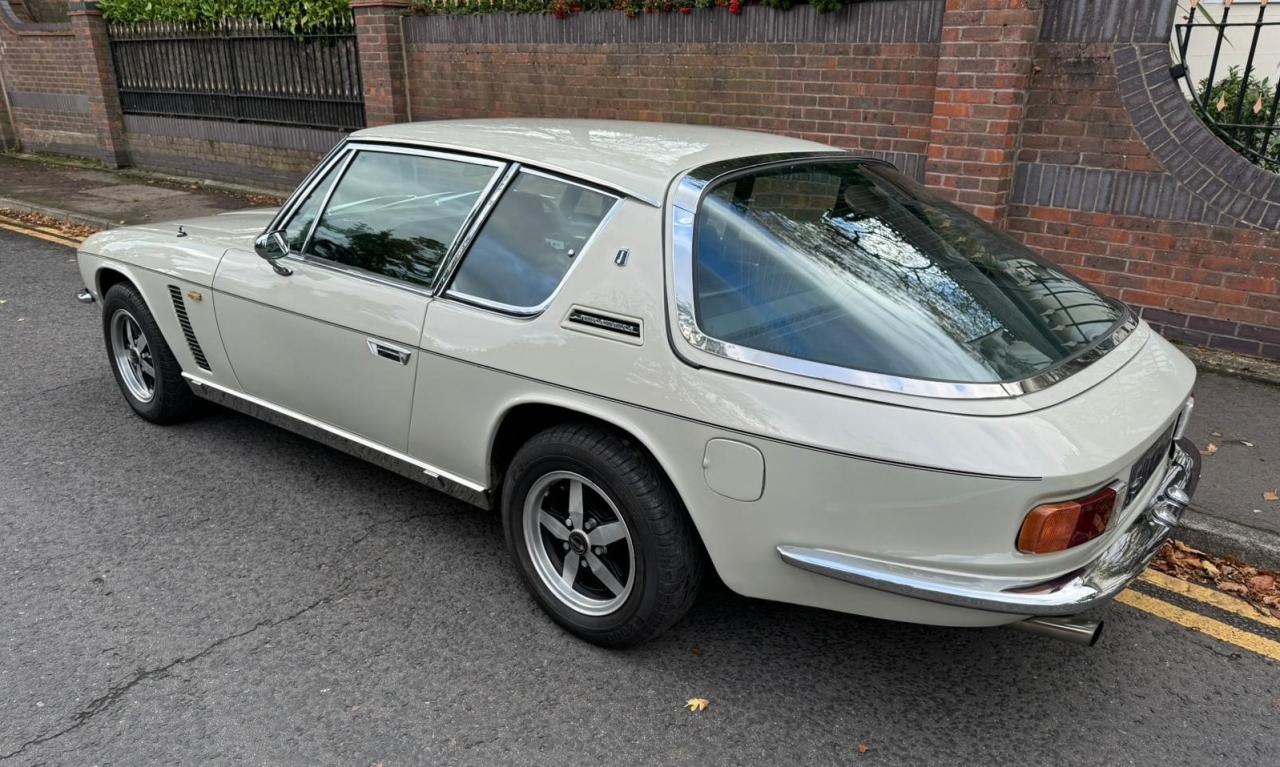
296 15
293 15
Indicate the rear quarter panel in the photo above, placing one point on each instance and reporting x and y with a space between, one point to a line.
909 485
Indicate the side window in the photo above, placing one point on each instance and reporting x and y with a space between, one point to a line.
300 225
397 214
530 240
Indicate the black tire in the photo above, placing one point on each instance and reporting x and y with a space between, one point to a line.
171 400
667 558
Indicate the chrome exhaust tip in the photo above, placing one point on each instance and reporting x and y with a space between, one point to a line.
1078 630
84 296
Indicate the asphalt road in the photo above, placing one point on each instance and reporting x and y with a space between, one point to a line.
223 592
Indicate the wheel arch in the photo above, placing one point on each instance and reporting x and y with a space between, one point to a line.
523 418
105 277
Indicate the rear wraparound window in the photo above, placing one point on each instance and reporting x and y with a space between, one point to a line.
853 265
539 227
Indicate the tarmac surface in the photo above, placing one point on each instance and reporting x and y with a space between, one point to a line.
224 592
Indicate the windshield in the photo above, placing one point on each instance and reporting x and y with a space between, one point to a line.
853 265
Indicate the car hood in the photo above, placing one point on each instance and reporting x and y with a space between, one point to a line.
236 229
188 249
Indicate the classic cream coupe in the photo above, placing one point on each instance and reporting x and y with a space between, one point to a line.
656 349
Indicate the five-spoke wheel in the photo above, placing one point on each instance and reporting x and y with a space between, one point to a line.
579 543
599 535
132 355
141 361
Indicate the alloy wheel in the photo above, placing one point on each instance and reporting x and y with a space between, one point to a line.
133 356
579 544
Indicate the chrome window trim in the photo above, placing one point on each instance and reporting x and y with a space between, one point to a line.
474 225
584 179
532 311
341 169
343 164
688 196
304 187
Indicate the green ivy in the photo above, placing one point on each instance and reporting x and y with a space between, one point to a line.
293 15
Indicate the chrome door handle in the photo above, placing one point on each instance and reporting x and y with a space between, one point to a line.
389 352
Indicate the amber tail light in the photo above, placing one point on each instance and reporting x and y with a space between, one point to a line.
1059 526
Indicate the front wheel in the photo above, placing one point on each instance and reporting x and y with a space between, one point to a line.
141 361
600 537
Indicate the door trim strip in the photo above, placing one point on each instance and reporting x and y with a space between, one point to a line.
356 445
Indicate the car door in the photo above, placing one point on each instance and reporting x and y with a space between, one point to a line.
332 334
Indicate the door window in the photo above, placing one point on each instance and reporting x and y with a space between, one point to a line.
300 225
539 227
397 214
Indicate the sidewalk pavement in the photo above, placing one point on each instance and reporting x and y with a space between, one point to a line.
83 194
1236 422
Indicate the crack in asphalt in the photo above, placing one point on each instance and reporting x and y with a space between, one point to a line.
366 532
117 692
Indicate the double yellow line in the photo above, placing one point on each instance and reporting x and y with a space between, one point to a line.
1217 629
49 234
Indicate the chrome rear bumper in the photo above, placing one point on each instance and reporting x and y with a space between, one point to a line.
1074 592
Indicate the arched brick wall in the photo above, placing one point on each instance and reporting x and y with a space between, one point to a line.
1118 179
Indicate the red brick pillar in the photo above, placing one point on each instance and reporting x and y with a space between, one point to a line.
99 78
380 39
984 71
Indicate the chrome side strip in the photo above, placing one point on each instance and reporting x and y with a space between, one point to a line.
361 447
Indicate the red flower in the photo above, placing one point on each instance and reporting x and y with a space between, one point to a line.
686 10
735 6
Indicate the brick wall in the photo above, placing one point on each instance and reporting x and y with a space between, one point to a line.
861 78
45 87
272 156
1118 180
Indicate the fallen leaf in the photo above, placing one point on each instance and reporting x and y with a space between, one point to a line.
1215 434
1231 587
1209 567
1180 546
1263 582
863 748
697 704
1271 495
697 652
1209 450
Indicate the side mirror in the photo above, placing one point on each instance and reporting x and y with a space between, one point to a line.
273 246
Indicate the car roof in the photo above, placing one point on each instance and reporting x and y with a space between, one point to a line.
639 159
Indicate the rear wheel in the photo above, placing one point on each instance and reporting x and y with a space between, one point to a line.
599 535
144 367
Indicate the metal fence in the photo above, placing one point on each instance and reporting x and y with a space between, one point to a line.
240 70
1236 101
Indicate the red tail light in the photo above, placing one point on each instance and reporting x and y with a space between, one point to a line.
1059 526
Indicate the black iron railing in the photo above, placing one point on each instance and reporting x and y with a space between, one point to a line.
240 70
1240 105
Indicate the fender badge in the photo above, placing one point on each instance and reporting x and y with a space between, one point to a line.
195 296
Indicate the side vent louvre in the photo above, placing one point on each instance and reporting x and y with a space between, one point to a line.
624 327
180 307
